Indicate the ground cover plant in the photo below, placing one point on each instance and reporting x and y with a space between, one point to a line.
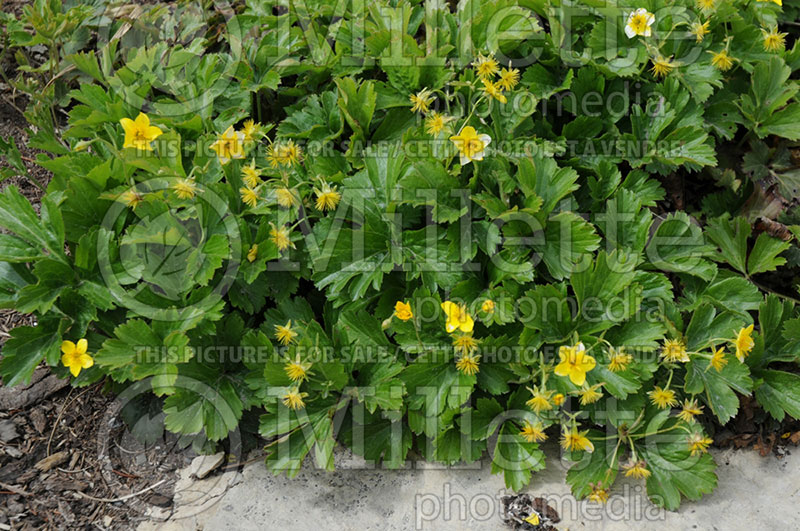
434 230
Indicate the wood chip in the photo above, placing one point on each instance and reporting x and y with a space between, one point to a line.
52 461
8 431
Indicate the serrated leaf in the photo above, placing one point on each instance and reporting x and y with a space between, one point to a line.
516 458
719 388
779 393
764 256
25 349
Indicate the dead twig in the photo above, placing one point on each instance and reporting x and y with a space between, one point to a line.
15 490
123 498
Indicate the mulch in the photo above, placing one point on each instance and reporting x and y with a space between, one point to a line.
67 460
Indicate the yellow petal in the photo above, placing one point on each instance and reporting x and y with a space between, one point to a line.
68 348
86 361
577 376
143 121
153 132
127 124
82 346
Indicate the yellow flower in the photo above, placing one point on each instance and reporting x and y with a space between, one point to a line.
598 494
470 144
539 400
721 60
618 359
286 198
636 470
575 440
281 237
718 359
661 66
488 306
421 101
457 318
296 371
779 2
744 343
403 311
292 153
436 122
706 5
486 66
284 154
575 363
698 443
639 23
132 198
699 30
774 41
251 175
468 364
250 129
285 334
663 398
229 146
327 197
509 77
674 350
252 254
558 399
185 188
293 399
139 133
590 395
75 357
249 196
533 519
465 343
493 90
690 410
533 432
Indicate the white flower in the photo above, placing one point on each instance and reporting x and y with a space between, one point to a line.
639 23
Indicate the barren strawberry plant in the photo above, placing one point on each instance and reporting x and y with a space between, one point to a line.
420 230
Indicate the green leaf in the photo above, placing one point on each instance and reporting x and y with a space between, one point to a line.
728 291
719 388
674 472
17 215
204 399
707 327
779 393
430 184
319 119
376 438
619 384
516 458
25 349
678 246
599 466
731 238
434 383
569 239
357 102
764 256
543 83
556 323
486 417
15 250
541 177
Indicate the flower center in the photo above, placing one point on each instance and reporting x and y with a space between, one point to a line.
639 23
